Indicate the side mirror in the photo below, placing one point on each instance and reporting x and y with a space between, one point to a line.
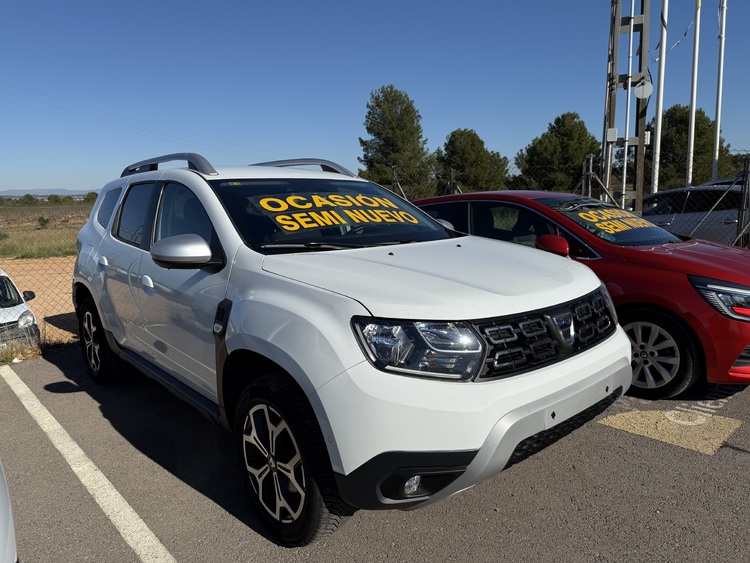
447 224
554 244
182 252
28 295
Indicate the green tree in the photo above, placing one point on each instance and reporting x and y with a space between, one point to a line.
54 199
474 167
553 160
28 199
393 123
673 150
90 197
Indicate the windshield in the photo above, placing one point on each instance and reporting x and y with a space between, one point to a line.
9 296
609 222
290 215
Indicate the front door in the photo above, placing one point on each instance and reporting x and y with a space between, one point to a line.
179 305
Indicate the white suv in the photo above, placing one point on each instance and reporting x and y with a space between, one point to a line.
364 355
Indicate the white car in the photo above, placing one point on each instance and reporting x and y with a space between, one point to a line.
17 321
364 355
710 211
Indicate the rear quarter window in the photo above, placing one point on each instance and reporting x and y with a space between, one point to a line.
107 207
132 220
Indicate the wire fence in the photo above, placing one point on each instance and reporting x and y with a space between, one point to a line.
37 251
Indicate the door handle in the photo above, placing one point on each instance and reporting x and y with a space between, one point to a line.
147 284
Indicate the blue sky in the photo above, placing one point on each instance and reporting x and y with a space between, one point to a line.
89 87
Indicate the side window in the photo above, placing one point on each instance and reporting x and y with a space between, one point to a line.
665 204
509 222
133 213
454 213
576 247
732 200
493 220
107 207
701 201
181 212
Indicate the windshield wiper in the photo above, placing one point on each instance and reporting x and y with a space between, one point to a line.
313 245
309 246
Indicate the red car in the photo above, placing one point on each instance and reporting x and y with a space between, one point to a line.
685 304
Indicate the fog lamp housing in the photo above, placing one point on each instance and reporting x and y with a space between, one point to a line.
412 484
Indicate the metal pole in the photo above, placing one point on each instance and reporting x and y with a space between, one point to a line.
693 94
660 95
627 103
719 82
611 92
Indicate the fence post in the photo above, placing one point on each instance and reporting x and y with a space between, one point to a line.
743 238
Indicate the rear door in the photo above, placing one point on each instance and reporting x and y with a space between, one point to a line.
119 258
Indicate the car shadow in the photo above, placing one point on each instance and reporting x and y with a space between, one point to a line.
65 321
193 448
708 392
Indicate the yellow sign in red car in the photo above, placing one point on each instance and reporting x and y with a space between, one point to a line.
613 221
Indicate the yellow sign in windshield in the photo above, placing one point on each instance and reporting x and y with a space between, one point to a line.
613 220
296 212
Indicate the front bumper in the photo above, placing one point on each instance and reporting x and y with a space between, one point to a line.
12 334
513 434
726 346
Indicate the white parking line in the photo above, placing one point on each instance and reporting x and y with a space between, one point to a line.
133 530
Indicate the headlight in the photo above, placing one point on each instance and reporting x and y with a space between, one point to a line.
730 299
449 350
26 319
608 301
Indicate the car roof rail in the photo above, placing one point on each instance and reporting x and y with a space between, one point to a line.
325 165
195 162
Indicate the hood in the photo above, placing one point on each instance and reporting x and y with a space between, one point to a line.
455 279
12 314
699 257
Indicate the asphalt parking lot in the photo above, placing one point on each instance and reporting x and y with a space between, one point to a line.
130 473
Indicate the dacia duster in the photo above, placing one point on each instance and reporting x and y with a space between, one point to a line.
363 354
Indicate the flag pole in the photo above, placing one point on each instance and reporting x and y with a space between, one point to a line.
660 95
693 94
719 83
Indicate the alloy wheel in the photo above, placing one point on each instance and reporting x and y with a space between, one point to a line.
274 463
91 341
656 355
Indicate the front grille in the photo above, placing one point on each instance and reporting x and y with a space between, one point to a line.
8 326
541 440
522 343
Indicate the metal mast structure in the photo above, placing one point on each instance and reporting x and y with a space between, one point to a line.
638 82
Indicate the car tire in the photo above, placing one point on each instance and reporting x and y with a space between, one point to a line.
101 361
284 463
665 356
